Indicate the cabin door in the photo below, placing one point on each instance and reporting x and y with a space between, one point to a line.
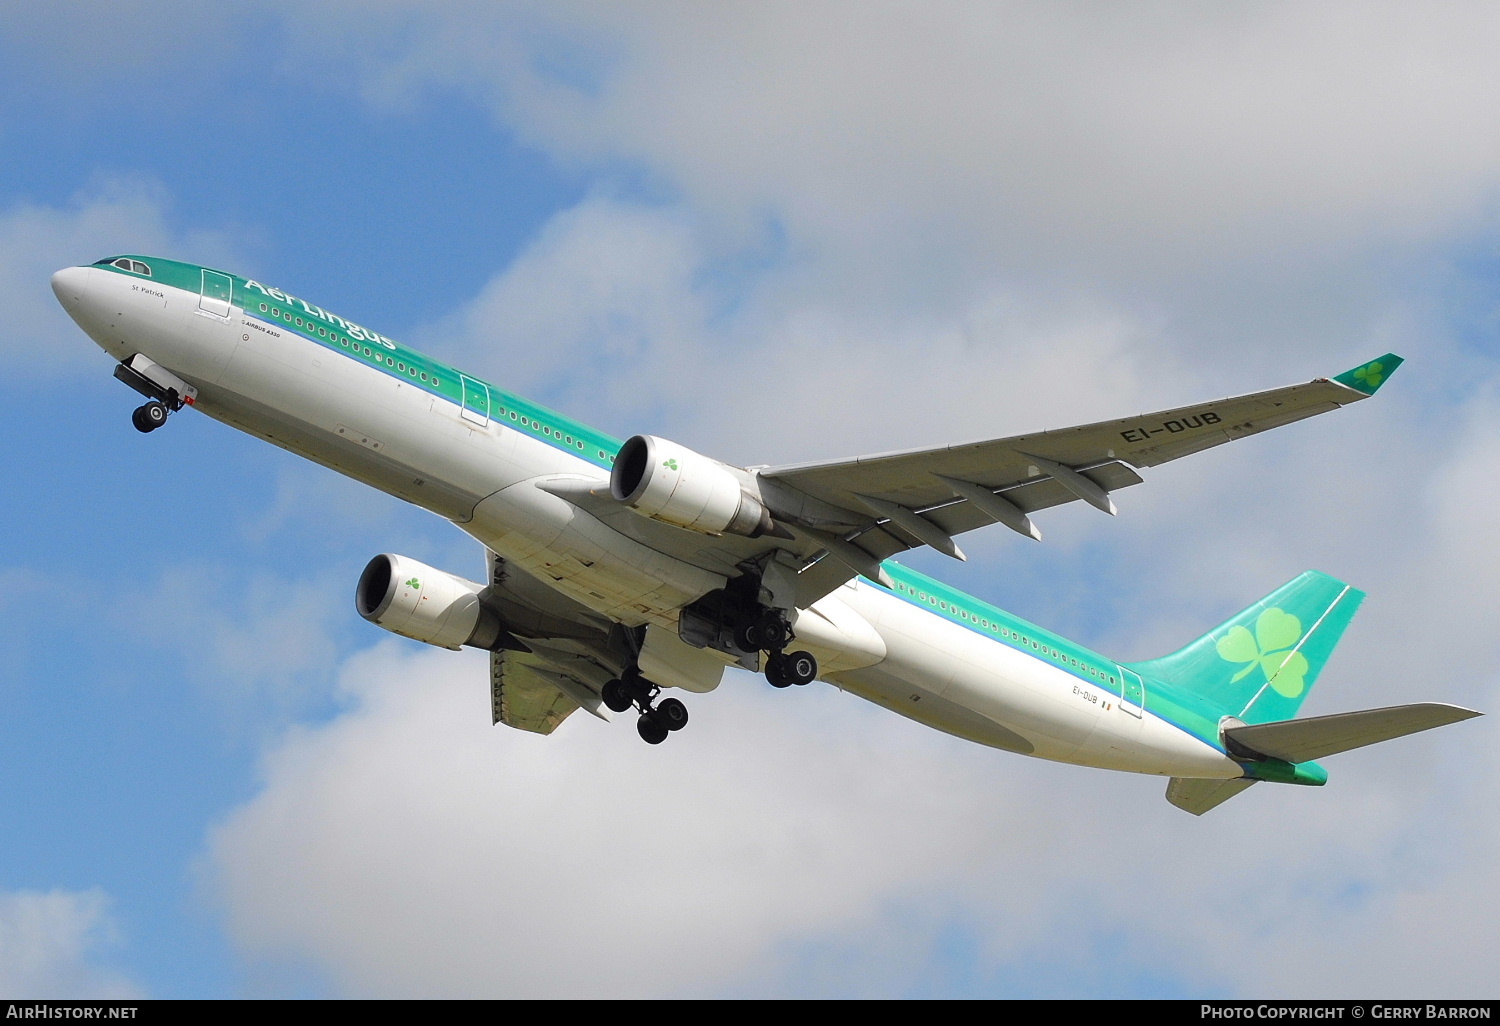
217 294
1132 692
476 400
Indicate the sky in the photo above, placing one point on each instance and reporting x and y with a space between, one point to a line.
772 232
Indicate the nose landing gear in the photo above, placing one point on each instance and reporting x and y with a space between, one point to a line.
166 392
657 719
149 417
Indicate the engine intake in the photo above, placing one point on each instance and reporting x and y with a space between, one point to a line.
417 601
672 483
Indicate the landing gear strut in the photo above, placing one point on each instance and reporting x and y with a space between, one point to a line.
770 632
657 719
166 392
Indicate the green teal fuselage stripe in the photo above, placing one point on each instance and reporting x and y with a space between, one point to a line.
541 423
389 356
1167 703
1171 705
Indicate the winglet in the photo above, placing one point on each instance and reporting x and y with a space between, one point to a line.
1370 376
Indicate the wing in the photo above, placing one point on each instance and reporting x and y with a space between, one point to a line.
560 655
866 509
530 691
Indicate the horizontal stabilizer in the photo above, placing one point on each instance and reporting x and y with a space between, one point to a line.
1198 796
1318 736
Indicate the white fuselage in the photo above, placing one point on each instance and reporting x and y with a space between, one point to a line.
479 472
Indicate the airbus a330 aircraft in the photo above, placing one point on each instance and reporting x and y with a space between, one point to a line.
616 570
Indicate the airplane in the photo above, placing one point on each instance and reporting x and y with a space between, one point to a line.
618 570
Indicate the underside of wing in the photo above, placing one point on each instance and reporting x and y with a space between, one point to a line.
520 698
867 509
560 657
536 691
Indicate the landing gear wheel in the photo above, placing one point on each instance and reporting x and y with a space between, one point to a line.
776 672
149 417
671 713
616 698
747 638
773 630
651 731
799 667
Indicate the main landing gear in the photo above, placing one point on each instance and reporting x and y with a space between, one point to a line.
658 718
784 670
769 632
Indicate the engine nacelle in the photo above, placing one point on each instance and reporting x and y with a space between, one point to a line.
416 601
674 484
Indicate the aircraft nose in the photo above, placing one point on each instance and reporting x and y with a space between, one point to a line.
70 285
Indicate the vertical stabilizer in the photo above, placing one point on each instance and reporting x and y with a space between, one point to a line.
1260 664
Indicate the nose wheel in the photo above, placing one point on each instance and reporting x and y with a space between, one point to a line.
657 719
149 417
166 392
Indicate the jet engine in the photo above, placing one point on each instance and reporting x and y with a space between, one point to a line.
672 483
416 601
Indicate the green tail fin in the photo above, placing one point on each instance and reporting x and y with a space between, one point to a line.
1368 377
1260 664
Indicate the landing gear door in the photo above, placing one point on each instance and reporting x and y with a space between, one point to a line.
476 408
217 294
1132 692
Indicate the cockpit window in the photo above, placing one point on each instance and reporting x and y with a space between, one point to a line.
127 264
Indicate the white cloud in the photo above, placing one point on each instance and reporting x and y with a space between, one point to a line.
412 849
117 216
50 943
1057 132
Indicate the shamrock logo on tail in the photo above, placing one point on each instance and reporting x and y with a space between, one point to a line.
1270 648
1371 374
